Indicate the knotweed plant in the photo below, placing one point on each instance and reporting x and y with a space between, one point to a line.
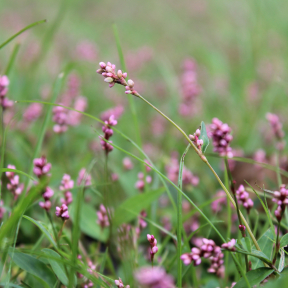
78 218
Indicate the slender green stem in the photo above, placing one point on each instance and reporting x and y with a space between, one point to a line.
210 167
21 31
60 231
2 149
179 220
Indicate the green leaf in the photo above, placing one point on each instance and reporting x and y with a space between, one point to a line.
43 229
204 137
57 266
266 243
284 240
254 277
130 208
88 222
282 260
35 267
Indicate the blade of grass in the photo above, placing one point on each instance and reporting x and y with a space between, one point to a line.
12 59
179 219
21 31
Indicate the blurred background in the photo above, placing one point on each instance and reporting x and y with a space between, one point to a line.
194 60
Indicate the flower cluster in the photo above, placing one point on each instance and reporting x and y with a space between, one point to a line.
33 112
84 177
195 138
62 212
207 250
14 186
173 171
102 214
41 167
230 245
220 133
108 132
141 222
153 245
116 111
109 72
190 88
66 185
127 163
60 117
46 195
4 101
243 198
140 184
120 284
278 132
154 277
280 197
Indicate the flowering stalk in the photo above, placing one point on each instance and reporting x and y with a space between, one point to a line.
130 90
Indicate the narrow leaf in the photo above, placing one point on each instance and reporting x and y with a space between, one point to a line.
254 277
284 240
282 260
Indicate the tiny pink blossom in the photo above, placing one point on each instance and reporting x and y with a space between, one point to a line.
62 212
84 177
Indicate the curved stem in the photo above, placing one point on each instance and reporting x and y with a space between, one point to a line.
204 159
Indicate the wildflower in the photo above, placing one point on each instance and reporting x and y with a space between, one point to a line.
74 117
190 88
46 195
153 245
155 277
103 219
62 212
84 177
221 138
60 117
4 101
119 283
141 222
195 138
140 184
243 198
207 249
41 167
127 163
108 132
148 169
116 111
172 170
280 197
278 132
66 185
242 228
33 112
230 245
109 72
13 185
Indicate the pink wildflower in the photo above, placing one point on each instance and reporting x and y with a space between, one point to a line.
140 184
41 167
280 197
33 112
221 138
243 198
217 204
2 210
46 195
195 138
230 245
60 117
116 111
74 117
207 250
154 277
84 177
127 163
278 132
4 101
66 185
119 283
103 219
108 132
62 212
153 245
13 185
